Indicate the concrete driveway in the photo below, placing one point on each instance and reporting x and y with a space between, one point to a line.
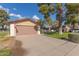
40 45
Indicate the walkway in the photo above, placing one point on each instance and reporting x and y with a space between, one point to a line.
39 45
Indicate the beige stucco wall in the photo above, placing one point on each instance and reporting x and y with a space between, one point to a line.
28 23
12 30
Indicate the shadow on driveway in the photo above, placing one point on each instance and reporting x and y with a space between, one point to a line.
17 49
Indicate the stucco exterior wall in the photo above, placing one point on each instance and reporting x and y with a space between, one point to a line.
27 23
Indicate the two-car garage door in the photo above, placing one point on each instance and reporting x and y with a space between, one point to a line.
25 30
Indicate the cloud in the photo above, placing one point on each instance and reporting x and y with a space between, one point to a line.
35 17
16 15
11 14
3 8
14 9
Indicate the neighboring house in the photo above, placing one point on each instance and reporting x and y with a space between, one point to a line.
25 26
66 28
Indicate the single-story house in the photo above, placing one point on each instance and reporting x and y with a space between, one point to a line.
25 26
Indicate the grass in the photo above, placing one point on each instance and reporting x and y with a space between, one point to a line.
5 52
57 35
2 34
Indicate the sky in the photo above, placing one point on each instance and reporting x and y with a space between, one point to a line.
22 10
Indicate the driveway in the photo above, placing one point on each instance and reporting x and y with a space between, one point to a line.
40 45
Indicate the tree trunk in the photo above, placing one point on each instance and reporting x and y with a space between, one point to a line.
74 26
60 26
3 27
60 30
49 28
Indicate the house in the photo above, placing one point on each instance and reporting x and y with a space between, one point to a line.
25 26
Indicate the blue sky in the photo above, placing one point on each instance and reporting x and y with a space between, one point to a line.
22 10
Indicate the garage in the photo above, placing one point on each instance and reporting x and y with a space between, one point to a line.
25 27
25 30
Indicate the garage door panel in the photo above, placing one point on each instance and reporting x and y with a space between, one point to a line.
25 30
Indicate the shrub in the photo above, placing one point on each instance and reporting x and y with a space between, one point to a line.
74 37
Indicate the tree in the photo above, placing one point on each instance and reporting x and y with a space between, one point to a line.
46 10
72 13
59 11
3 18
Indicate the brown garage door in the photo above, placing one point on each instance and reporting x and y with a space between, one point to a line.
25 30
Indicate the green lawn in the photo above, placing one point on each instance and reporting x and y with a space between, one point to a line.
3 34
57 35
5 52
